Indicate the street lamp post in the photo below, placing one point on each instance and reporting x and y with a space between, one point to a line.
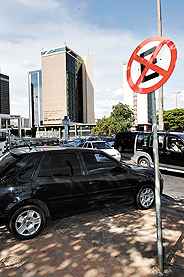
161 94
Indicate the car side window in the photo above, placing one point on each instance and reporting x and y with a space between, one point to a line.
97 160
175 144
161 141
142 141
26 166
60 164
89 145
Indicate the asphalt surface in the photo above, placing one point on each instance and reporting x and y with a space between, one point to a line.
173 185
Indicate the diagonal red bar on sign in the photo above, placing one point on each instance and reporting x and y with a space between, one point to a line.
164 73
152 66
149 64
141 77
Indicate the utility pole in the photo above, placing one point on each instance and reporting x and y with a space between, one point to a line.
161 94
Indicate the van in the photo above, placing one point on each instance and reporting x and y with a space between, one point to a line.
171 150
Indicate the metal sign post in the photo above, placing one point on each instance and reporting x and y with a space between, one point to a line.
157 187
148 56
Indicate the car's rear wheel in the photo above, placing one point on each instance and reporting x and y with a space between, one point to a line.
27 222
144 162
145 197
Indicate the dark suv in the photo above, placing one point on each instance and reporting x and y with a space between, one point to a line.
37 184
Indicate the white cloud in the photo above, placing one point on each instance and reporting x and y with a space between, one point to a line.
43 4
21 44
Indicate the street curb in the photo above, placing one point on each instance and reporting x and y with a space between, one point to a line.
174 211
174 206
172 198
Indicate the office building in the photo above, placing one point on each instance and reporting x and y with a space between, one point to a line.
4 94
67 87
140 103
35 98
4 101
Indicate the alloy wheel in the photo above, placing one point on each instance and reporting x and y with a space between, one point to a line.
28 222
146 197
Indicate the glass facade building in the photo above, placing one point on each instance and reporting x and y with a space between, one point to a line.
35 98
67 87
74 86
4 94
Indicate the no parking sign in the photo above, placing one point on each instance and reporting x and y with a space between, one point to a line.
151 64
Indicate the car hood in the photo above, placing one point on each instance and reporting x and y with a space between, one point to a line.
146 171
111 151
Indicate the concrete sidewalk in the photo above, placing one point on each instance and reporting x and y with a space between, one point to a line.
108 242
174 252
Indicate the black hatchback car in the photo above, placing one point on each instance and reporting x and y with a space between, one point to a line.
35 185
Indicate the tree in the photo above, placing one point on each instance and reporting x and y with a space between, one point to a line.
120 119
174 119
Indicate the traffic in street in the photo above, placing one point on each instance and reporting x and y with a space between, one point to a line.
45 178
91 138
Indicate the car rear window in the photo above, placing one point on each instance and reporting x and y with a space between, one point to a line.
22 166
7 161
101 145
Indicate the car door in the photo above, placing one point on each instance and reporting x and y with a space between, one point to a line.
105 179
162 148
53 183
174 154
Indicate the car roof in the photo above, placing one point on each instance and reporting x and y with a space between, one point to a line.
96 141
163 132
28 151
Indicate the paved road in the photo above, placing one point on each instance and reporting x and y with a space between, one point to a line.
174 185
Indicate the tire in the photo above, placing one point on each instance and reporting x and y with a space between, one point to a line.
145 197
144 162
27 222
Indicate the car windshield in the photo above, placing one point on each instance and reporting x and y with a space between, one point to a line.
101 145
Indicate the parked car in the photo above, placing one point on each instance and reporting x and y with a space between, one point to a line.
37 184
110 140
171 150
124 142
104 146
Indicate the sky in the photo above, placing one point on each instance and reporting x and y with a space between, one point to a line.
108 30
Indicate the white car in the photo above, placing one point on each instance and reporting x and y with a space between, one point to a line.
104 146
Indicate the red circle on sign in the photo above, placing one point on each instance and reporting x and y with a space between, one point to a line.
149 64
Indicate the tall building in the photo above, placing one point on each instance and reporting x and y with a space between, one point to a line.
35 98
140 103
4 94
67 87
4 101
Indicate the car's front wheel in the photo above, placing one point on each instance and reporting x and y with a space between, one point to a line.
27 222
145 197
